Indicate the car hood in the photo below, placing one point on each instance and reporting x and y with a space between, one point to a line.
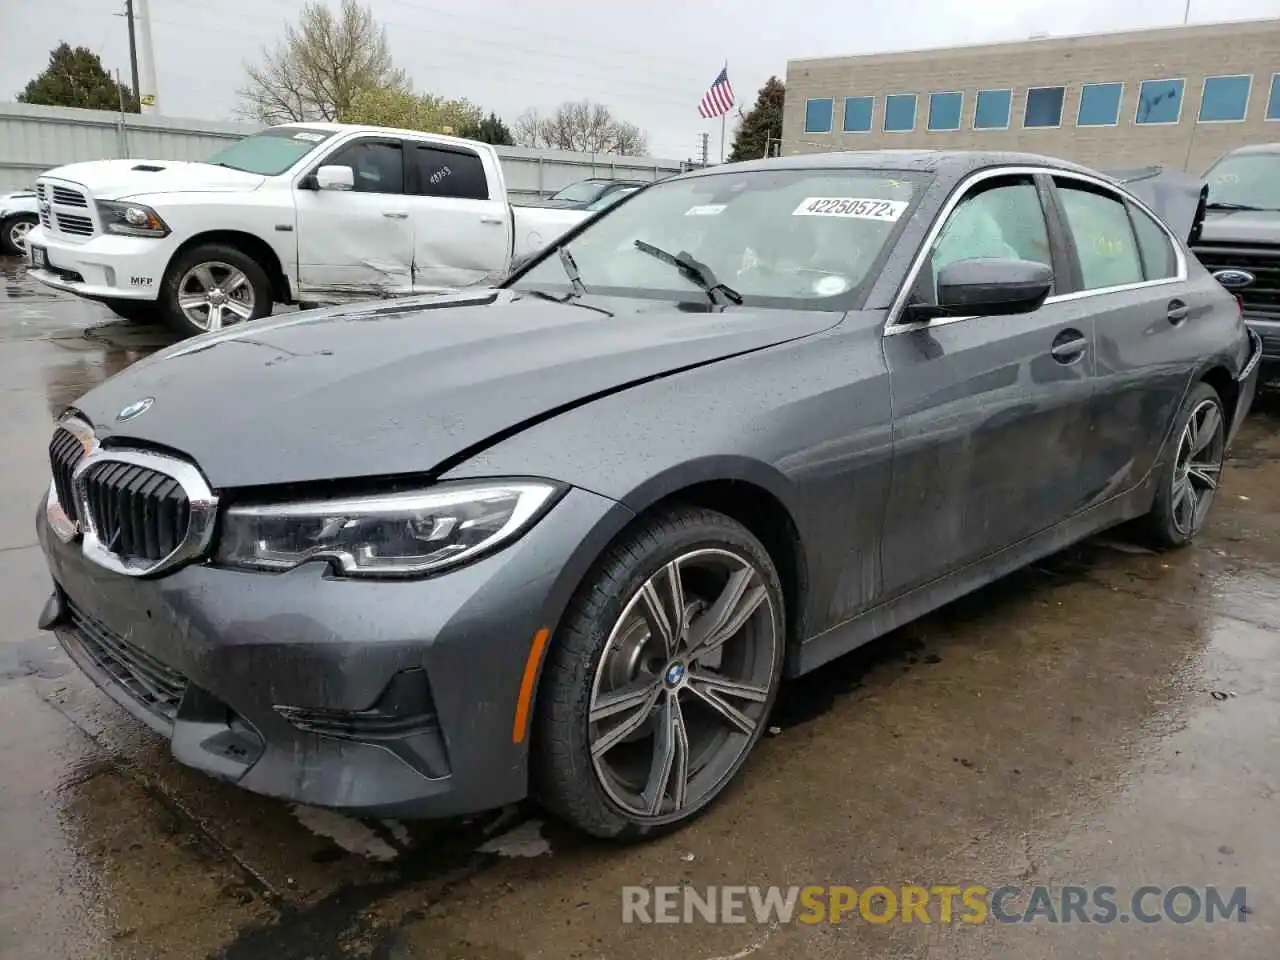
119 179
1177 197
1241 226
409 386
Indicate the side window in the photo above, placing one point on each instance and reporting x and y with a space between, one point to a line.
1104 239
1159 262
449 173
999 218
378 165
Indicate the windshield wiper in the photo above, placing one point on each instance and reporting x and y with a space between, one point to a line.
543 295
690 268
1225 205
571 270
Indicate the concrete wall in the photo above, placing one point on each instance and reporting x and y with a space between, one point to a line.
1193 52
34 139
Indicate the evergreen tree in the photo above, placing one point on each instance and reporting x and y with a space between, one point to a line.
75 77
489 130
760 123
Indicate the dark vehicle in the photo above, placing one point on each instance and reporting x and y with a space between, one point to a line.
1242 235
566 537
585 193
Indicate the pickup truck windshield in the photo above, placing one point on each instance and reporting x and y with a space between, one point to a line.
804 239
270 152
1247 179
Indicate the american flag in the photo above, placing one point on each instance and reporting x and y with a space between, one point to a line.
719 99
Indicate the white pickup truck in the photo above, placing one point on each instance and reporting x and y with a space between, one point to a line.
299 213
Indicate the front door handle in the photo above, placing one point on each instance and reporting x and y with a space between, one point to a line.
497 220
395 214
1069 346
1177 312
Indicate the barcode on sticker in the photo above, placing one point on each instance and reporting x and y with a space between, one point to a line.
706 210
860 208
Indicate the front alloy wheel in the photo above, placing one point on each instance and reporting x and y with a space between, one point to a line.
661 679
213 294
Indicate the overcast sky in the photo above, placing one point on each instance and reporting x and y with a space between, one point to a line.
650 62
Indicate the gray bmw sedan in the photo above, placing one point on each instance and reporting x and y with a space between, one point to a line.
565 537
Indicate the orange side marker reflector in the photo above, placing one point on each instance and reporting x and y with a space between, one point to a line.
536 649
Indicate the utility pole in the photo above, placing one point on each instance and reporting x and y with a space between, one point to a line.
706 140
133 49
147 95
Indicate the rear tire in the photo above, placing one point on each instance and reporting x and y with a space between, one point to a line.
211 286
1190 476
13 233
639 728
135 311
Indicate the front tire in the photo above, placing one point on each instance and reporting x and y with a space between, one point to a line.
13 233
212 286
1189 478
660 680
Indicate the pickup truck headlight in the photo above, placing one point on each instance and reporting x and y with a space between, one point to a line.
131 219
399 534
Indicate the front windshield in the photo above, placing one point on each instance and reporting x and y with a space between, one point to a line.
1249 179
270 152
583 191
609 199
785 238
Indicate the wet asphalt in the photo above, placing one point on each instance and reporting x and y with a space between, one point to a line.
1109 716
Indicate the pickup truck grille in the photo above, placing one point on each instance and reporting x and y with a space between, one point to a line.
65 209
1261 298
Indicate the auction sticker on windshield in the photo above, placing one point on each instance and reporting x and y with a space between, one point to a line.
705 210
859 208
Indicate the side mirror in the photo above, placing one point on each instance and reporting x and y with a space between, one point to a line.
988 287
335 178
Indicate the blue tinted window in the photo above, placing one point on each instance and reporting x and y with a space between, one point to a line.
1044 107
992 110
1225 98
944 110
817 115
1159 101
1099 105
900 112
857 114
1273 102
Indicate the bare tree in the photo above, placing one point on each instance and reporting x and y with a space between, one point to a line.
584 127
320 67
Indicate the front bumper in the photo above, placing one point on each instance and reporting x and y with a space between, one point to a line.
104 267
378 698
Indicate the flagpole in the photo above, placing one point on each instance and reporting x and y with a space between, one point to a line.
722 117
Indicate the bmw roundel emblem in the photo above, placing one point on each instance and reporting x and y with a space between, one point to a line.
135 409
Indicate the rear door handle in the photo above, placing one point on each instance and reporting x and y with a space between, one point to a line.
1177 311
395 214
497 220
1069 346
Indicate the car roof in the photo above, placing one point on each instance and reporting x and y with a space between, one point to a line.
956 163
1257 148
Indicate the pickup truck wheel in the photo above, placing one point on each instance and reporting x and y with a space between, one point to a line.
212 286
13 233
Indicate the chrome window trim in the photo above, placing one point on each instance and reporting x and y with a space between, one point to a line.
202 505
893 327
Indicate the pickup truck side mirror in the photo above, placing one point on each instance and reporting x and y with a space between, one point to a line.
335 178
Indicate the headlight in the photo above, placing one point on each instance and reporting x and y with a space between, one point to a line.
131 219
400 534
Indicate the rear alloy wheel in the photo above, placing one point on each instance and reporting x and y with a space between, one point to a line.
213 286
13 233
661 680
1190 478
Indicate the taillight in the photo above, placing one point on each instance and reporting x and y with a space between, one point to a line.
1239 304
